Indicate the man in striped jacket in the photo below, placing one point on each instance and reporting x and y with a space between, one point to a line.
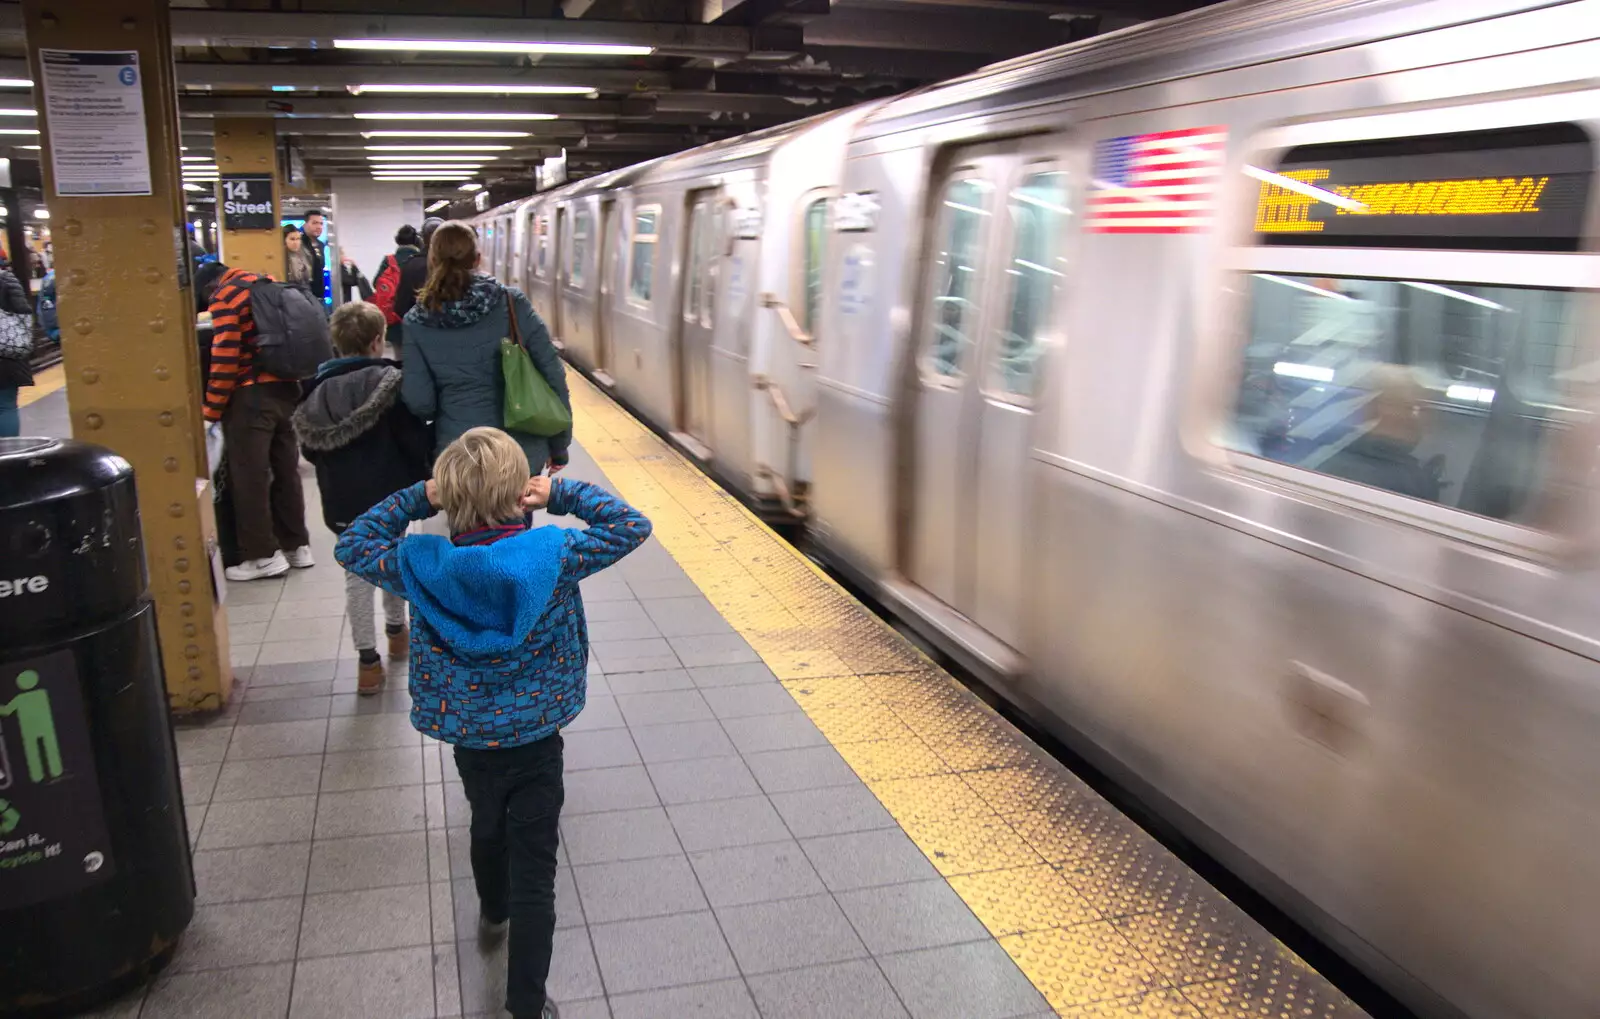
254 409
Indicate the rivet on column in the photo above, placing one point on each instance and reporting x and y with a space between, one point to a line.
91 376
165 418
170 465
93 420
175 510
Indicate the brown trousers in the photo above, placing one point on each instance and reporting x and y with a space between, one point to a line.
269 505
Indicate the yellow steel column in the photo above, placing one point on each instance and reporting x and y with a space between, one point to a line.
127 310
250 145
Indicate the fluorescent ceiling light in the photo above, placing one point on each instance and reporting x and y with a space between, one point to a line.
41 213
19 130
577 49
1434 288
283 88
33 147
430 175
1469 394
1309 372
18 113
436 206
415 167
445 134
455 116
439 148
471 187
196 159
190 208
15 83
519 90
432 157
190 185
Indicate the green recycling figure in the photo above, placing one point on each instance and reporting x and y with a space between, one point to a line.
32 710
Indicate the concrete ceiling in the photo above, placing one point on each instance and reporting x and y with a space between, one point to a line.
713 68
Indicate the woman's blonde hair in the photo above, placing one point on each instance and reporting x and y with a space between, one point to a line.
452 260
481 477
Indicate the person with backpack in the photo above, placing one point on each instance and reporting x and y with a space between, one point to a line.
415 272
386 282
266 337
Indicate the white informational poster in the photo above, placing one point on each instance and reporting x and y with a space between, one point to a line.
94 105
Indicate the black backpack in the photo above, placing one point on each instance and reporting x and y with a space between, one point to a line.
291 330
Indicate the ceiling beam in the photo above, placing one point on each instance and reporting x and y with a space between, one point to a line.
756 12
345 75
298 30
300 107
985 32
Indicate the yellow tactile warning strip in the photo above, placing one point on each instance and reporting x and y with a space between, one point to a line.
44 383
1101 918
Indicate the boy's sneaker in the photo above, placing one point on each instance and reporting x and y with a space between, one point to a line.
258 569
369 675
399 644
301 558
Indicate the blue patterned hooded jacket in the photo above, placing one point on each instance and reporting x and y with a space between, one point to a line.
499 643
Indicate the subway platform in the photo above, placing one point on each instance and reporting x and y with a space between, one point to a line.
776 808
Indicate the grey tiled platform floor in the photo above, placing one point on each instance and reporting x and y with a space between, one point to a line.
719 859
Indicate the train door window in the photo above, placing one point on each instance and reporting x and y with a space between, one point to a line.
541 235
1393 374
1039 214
957 270
580 247
815 244
697 260
642 253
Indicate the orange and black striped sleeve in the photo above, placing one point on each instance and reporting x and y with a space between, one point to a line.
226 349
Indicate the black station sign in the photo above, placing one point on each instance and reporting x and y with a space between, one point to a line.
247 202
1524 189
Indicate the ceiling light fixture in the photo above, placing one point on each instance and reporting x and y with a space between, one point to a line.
189 185
455 116
197 159
18 113
436 206
574 49
446 134
33 147
415 167
518 90
41 213
15 83
432 157
474 186
439 148
19 130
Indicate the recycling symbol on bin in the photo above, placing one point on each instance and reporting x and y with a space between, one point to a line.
9 818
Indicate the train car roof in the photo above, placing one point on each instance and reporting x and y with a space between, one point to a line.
1204 41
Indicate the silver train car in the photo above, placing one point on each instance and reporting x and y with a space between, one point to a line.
1223 391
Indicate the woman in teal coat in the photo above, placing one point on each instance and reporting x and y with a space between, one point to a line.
452 344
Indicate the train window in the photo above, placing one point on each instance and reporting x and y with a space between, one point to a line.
580 247
1441 391
956 271
541 243
815 241
1039 212
642 254
697 261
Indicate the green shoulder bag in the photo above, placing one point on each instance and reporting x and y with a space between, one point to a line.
531 406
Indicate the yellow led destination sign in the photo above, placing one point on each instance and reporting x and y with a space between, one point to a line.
1520 190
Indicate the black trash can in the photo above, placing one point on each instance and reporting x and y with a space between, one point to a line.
96 883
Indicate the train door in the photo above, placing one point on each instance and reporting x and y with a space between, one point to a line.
696 325
990 278
604 271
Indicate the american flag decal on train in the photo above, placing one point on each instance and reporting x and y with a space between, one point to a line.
1161 183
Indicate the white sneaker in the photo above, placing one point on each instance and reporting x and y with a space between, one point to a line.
258 569
301 558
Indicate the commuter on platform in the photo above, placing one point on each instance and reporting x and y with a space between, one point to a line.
254 408
297 268
499 661
452 344
353 283
16 349
415 272
386 281
365 446
49 321
317 251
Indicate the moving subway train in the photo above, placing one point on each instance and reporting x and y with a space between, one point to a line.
1223 390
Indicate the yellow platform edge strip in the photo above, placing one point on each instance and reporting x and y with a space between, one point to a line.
1100 918
45 383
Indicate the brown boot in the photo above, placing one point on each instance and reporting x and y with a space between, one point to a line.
369 678
399 645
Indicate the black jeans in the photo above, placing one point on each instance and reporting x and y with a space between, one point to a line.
516 798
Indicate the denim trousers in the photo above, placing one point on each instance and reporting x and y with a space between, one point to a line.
516 796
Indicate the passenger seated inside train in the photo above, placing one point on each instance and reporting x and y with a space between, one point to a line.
1384 454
